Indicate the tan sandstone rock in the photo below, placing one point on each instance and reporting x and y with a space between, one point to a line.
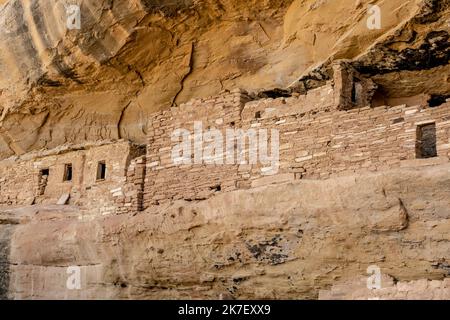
285 241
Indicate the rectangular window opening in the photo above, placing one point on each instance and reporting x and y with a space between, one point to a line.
101 170
45 172
68 172
426 141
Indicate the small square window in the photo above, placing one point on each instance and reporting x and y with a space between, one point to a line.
101 170
68 172
45 172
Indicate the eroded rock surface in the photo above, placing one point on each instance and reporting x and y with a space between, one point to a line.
305 239
283 241
389 290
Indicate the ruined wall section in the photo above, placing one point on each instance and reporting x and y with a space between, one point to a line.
130 198
119 191
41 177
352 90
18 182
167 181
327 144
318 140
315 143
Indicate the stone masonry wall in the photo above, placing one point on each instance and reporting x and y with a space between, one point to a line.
325 144
18 182
130 198
22 180
166 181
317 141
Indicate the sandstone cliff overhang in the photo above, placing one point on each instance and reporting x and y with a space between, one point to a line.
132 58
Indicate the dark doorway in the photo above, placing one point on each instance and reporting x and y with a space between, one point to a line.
101 170
426 141
357 90
354 93
43 180
68 172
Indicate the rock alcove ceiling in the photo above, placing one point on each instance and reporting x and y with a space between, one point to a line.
131 58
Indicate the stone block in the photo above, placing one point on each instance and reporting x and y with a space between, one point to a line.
64 199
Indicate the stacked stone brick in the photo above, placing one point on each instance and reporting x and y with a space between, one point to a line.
18 182
23 181
324 133
167 181
130 198
325 144
317 141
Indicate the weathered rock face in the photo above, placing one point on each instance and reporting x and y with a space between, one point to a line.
294 240
390 290
284 241
131 58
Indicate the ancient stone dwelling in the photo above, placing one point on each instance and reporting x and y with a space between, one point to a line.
329 131
93 176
